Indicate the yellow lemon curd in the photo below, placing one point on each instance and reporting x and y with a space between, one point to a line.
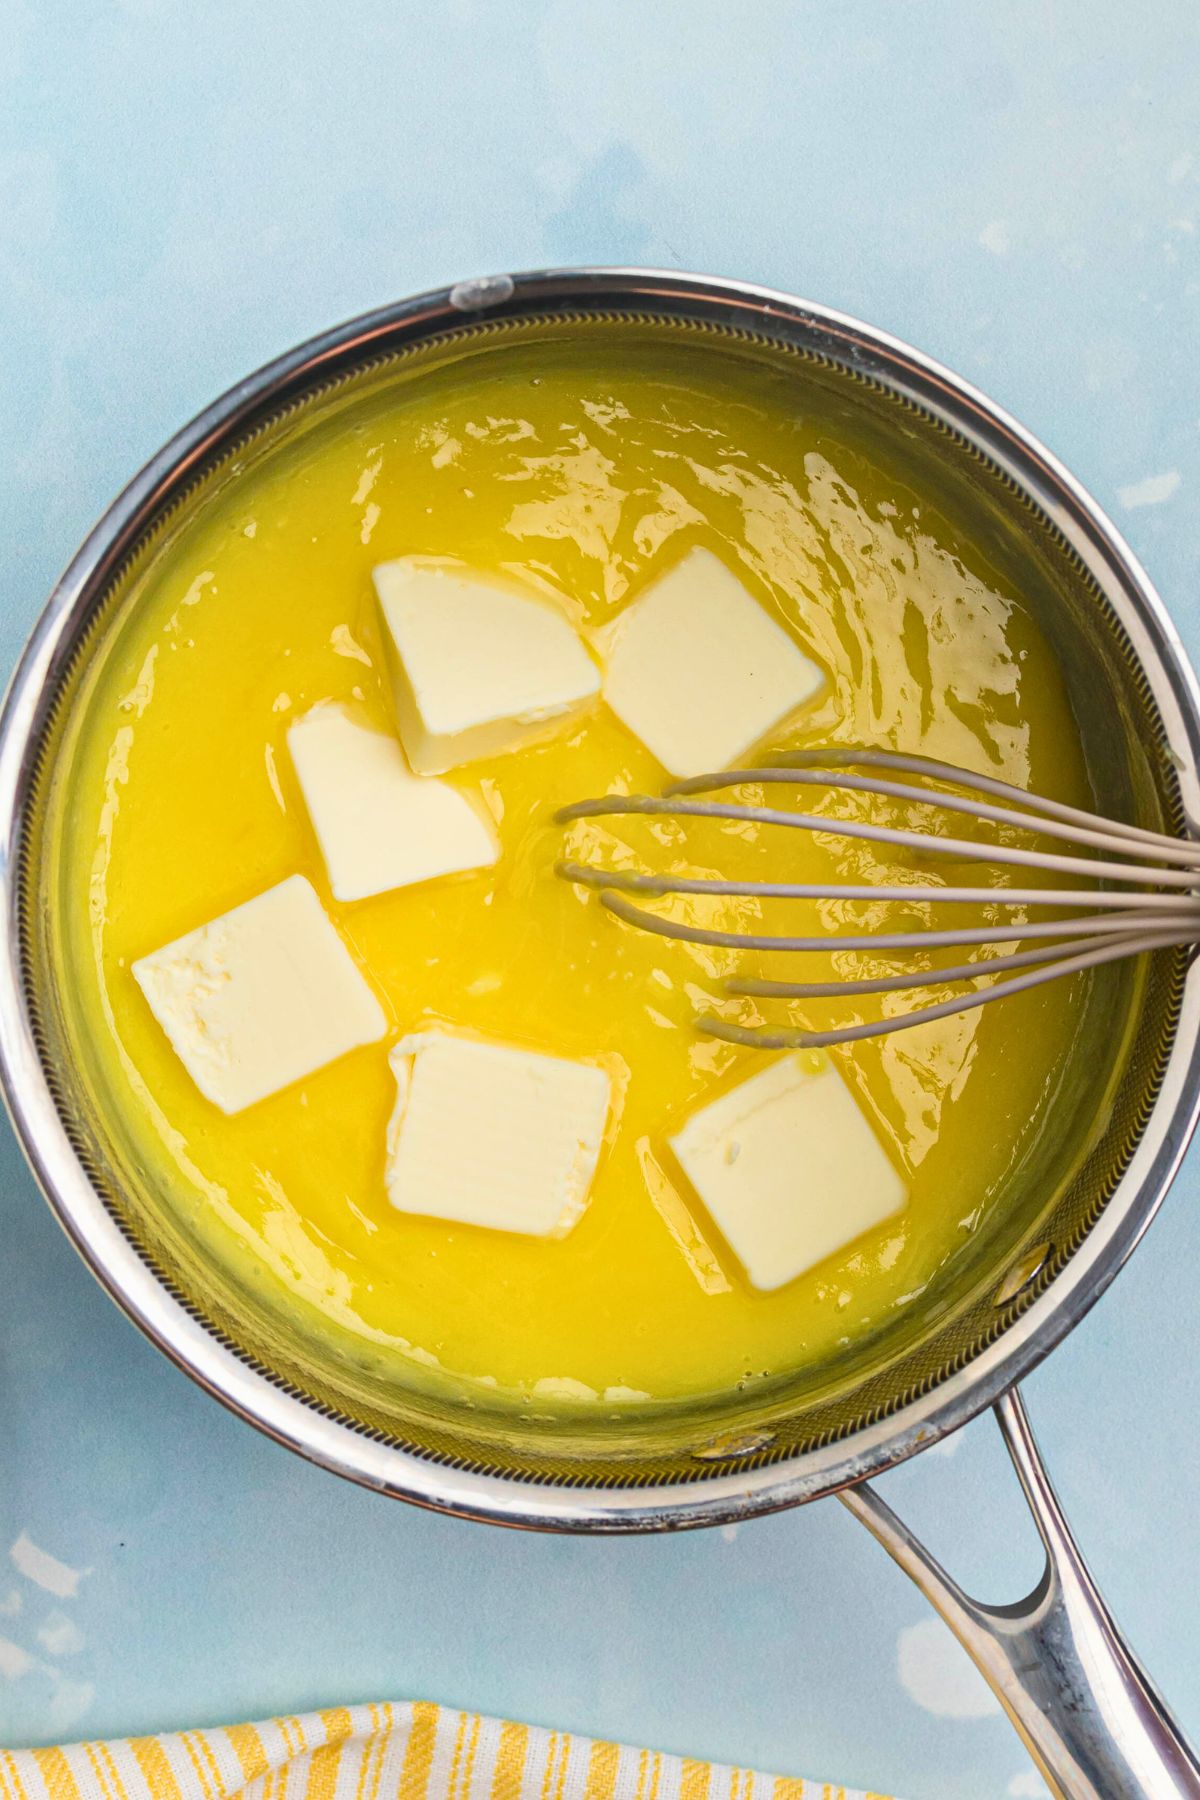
584 469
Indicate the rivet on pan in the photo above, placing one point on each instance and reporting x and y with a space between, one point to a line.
1022 1273
485 290
738 1444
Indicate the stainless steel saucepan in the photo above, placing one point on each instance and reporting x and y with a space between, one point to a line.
1077 1208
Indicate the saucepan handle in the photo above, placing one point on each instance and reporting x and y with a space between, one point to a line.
1087 1712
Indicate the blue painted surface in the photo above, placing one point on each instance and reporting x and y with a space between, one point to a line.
185 190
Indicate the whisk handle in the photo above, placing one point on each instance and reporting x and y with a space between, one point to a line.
1088 1714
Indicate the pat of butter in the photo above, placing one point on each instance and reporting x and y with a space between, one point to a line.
699 672
260 997
476 668
379 825
789 1169
487 1134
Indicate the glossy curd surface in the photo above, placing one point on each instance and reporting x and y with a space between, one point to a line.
583 470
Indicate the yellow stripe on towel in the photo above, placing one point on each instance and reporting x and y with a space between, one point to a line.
412 1751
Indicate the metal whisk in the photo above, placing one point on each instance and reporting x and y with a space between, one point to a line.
1160 908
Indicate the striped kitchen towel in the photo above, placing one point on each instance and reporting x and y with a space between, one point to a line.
387 1752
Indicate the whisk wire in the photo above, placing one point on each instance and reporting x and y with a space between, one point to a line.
943 976
1114 838
901 837
631 881
860 757
789 1038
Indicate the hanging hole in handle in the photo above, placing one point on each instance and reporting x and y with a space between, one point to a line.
1072 1686
964 1502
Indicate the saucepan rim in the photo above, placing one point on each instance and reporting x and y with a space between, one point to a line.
114 1260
